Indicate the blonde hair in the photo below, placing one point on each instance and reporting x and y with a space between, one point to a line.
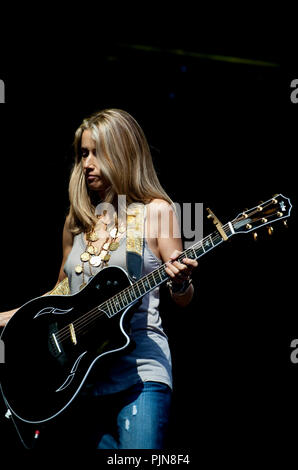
125 163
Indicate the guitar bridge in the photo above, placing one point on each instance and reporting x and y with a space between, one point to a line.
72 334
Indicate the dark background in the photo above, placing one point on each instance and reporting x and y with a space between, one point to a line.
218 116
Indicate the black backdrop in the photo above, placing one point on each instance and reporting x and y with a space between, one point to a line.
222 132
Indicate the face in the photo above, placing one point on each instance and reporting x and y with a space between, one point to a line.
90 164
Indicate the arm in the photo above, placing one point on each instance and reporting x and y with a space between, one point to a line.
67 241
5 316
165 227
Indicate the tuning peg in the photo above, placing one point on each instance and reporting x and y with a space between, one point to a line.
270 230
255 235
260 208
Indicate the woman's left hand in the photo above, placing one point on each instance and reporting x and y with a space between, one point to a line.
179 272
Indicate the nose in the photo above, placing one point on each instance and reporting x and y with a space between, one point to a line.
88 162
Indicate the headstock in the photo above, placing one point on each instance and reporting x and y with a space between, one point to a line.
266 213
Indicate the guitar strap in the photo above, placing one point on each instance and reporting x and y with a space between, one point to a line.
135 240
134 247
61 289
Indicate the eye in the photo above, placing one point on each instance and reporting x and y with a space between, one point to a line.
84 153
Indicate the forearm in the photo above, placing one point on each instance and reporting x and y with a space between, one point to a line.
5 316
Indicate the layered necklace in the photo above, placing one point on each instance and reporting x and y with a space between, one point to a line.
94 256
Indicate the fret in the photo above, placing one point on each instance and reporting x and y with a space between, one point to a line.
189 253
108 305
132 294
135 286
108 308
148 279
155 274
141 287
126 299
121 299
116 304
162 273
158 277
216 239
135 291
199 252
208 243
152 282
147 284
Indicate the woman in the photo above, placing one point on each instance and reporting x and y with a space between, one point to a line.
112 158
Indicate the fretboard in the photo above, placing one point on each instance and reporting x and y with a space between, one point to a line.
151 281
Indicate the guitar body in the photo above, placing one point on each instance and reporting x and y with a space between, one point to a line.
46 361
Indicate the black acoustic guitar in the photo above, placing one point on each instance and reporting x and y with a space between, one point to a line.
53 342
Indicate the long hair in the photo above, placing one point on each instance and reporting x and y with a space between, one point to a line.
125 163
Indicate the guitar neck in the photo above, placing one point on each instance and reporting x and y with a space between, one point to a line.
155 278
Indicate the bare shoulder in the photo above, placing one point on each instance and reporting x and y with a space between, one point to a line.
162 219
160 205
159 202
157 210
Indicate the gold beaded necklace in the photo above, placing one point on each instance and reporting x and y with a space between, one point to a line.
98 256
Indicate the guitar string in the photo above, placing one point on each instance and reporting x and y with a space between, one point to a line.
100 310
81 323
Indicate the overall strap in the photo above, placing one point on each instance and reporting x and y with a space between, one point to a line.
135 240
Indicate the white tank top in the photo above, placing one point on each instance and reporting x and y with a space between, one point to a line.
150 360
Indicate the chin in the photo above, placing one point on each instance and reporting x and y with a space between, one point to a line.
96 186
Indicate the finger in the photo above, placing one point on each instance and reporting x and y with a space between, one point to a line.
175 254
172 268
190 262
174 273
178 265
169 272
185 269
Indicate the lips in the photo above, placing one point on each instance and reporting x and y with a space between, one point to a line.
91 178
